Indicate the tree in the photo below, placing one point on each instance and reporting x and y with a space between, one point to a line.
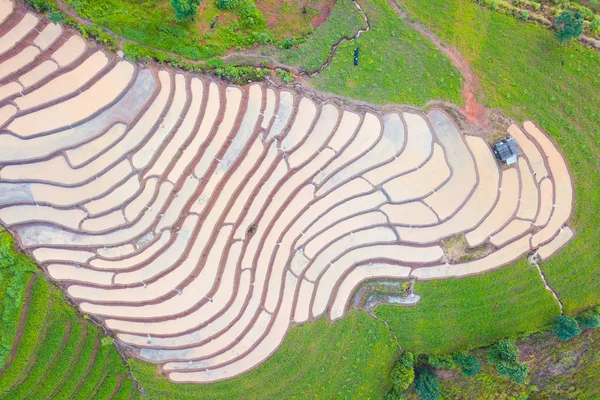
569 25
403 373
226 4
504 355
185 9
468 364
566 327
427 385
589 318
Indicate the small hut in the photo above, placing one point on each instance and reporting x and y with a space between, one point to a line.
507 150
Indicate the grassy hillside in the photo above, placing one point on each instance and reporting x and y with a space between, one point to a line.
344 21
527 73
47 351
350 359
458 314
396 64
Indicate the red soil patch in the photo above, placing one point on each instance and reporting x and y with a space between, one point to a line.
472 109
286 17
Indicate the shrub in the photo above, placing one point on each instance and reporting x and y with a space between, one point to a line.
285 76
566 327
107 341
226 4
403 372
250 16
185 9
569 25
468 364
595 25
42 6
524 15
534 5
394 395
442 361
504 355
427 385
57 17
589 318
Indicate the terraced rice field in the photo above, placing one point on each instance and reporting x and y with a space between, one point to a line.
199 221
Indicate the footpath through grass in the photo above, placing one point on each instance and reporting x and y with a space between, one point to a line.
58 355
396 64
526 72
457 314
350 359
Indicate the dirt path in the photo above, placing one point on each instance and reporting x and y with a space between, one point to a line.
472 109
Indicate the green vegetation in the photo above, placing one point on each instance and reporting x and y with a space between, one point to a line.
557 370
504 355
285 76
233 73
403 373
458 314
582 15
153 23
344 21
351 358
15 273
528 74
50 359
570 25
397 64
185 9
468 364
589 318
566 327
42 6
226 4
427 385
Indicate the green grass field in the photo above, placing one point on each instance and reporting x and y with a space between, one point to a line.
396 64
458 314
349 359
344 21
529 75
58 355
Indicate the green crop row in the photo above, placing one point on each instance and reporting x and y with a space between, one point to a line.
34 323
11 309
108 388
81 363
124 392
61 368
51 347
48 351
95 376
15 272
